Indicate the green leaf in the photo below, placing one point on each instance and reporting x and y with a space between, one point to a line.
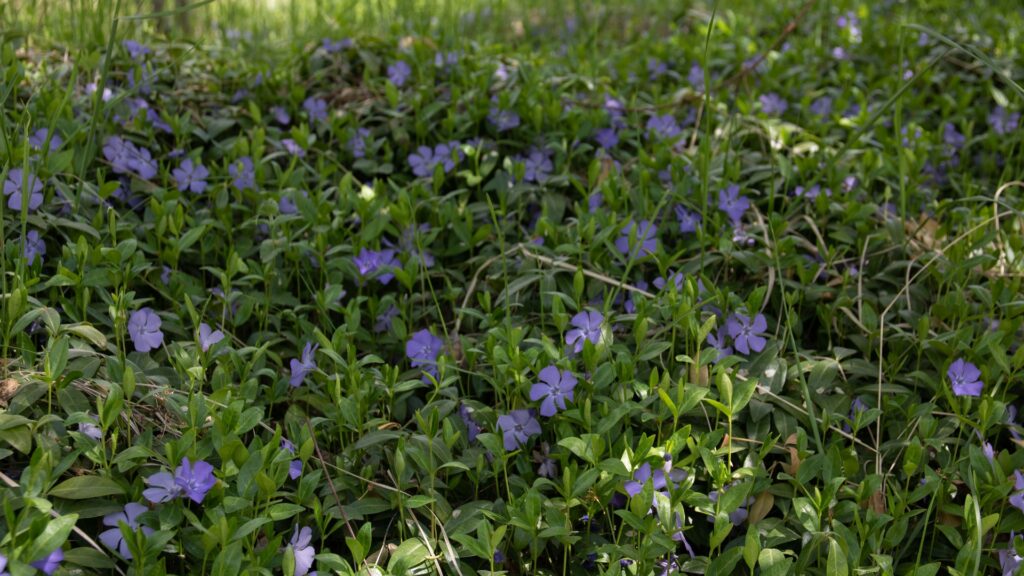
89 333
283 511
228 560
88 558
249 527
20 437
751 547
85 487
418 501
836 563
52 537
725 563
927 570
773 562
407 556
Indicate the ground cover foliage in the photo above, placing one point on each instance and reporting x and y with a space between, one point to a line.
722 289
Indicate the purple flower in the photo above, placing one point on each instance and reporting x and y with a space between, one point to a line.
630 305
38 139
332 46
407 244
383 320
1017 499
293 148
734 205
502 120
295 466
316 108
113 538
208 337
125 157
613 107
848 19
664 127
1011 422
988 451
472 427
50 564
295 469
15 184
144 330
154 119
965 378
1003 122
821 107
280 115
91 430
772 104
91 88
399 72
301 367
424 160
586 326
717 341
746 333
516 427
688 221
370 261
646 240
857 407
675 278
953 138
446 59
696 77
33 246
422 349
812 192
286 205
594 202
606 138
303 550
656 68
537 166
191 177
195 480
741 237
502 73
244 174
163 488
357 144
1009 561
547 468
3 566
554 387
662 479
136 50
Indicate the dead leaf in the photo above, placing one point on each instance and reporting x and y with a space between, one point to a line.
8 388
794 456
761 507
699 376
876 502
